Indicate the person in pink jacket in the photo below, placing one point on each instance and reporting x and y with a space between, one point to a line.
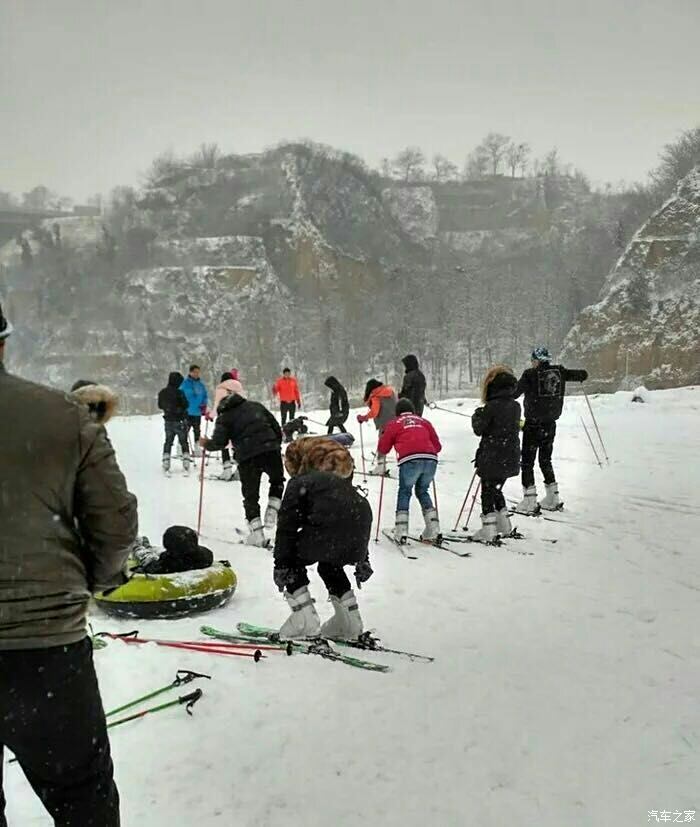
229 384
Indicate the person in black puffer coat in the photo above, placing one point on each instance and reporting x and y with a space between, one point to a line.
181 552
497 422
413 387
339 407
256 438
324 519
173 402
544 387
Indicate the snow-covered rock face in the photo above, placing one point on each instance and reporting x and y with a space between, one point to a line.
415 210
646 327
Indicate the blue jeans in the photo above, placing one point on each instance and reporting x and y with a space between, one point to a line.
419 473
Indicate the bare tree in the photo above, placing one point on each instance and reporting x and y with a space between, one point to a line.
494 145
443 168
409 163
206 157
551 164
476 165
677 159
38 198
163 165
516 156
385 168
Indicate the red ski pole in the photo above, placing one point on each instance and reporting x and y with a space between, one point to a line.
476 493
464 504
379 512
201 483
256 655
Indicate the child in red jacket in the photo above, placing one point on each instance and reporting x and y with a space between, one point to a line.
417 448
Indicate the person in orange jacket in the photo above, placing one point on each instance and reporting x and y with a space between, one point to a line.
287 389
382 409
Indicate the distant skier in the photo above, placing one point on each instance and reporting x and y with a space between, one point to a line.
256 438
173 402
497 422
286 388
544 387
417 447
382 409
339 408
324 520
414 383
100 400
196 392
229 384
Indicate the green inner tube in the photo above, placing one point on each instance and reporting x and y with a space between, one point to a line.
171 595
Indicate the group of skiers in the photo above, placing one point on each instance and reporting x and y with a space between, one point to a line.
55 551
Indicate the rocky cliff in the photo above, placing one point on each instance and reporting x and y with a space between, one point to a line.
646 326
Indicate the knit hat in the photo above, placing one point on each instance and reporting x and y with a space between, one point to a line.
404 406
541 353
5 326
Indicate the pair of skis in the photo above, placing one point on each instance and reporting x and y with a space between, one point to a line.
250 633
442 543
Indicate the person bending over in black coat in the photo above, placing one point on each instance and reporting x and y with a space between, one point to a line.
324 520
173 402
544 387
181 552
256 437
413 387
497 422
339 407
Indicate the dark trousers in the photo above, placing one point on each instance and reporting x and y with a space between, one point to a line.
336 424
195 423
538 438
333 576
492 498
173 430
287 411
226 455
51 717
251 471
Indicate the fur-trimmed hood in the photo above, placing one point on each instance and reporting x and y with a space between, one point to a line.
101 401
499 381
318 453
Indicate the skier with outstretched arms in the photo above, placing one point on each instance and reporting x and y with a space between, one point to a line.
543 386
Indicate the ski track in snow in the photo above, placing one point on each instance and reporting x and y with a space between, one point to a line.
564 690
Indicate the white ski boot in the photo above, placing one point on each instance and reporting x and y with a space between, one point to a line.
304 620
227 472
488 531
346 623
401 527
186 464
503 524
551 501
432 525
271 512
166 464
528 505
257 535
379 467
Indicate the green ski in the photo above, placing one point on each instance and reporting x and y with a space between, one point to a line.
250 633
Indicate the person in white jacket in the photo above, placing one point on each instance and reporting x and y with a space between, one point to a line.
229 384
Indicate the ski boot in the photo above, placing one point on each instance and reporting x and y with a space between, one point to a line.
227 472
528 505
166 464
488 531
257 535
401 527
379 468
432 526
271 512
503 524
304 621
186 464
551 501
346 623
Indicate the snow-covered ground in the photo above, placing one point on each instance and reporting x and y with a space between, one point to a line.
565 686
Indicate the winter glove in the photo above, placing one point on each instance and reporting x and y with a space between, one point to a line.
361 418
363 571
203 408
283 576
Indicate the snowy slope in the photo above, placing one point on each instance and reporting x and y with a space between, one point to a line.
565 687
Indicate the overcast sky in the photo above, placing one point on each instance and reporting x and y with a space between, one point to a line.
92 90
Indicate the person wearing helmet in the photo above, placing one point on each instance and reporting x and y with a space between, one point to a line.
543 385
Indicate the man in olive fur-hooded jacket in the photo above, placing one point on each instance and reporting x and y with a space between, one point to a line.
67 522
